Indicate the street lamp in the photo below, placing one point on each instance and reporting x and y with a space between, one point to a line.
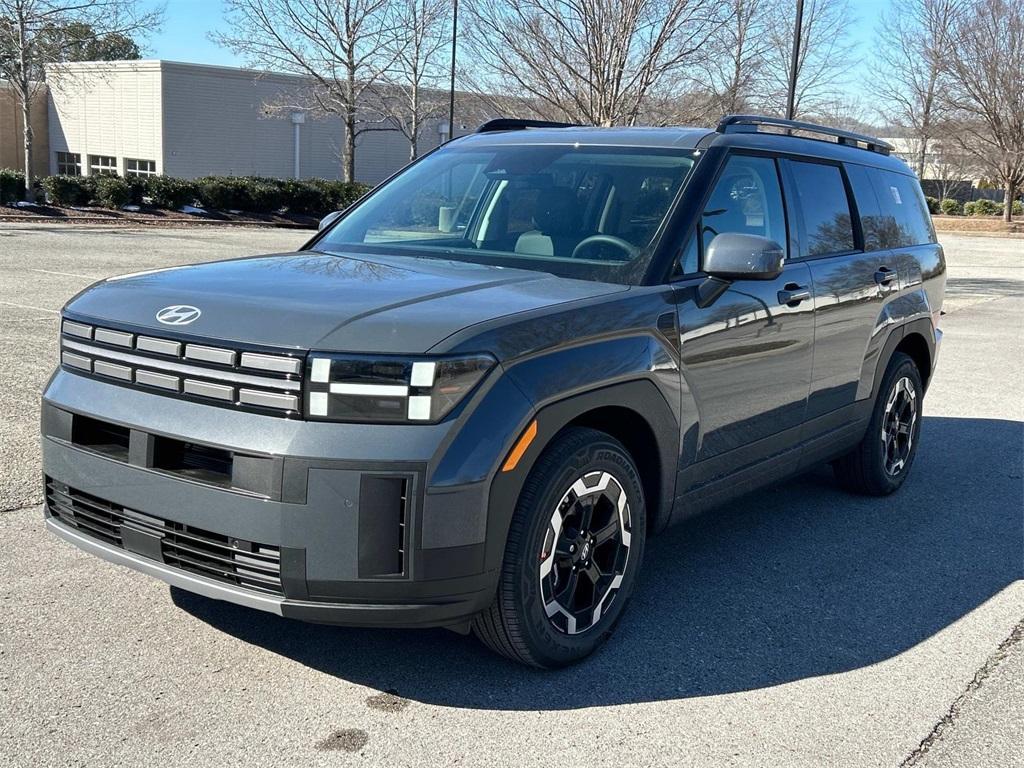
451 88
797 30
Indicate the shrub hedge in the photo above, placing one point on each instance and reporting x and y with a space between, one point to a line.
933 204
12 186
951 207
251 194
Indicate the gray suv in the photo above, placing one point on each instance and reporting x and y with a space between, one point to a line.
472 396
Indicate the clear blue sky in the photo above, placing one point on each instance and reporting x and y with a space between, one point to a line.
187 24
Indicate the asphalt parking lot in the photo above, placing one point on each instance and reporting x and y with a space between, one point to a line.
798 626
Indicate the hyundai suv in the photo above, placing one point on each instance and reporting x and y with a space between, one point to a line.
469 400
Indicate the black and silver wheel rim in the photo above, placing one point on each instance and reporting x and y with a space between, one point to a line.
898 423
585 552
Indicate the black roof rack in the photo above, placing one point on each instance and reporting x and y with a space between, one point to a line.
517 124
750 123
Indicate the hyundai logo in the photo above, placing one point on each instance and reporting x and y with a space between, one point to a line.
178 314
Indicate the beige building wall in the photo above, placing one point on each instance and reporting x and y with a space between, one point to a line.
106 109
196 120
216 121
12 153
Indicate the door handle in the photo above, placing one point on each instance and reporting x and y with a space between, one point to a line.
793 294
884 276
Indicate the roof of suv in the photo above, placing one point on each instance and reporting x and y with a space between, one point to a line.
687 138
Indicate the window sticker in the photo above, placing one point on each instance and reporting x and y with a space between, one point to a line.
896 195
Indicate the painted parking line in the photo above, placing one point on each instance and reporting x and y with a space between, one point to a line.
25 306
65 274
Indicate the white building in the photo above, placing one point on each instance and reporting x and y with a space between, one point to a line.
190 120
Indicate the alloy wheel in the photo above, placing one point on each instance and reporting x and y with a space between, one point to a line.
898 423
585 552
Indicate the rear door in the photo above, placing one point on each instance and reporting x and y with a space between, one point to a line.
851 273
746 355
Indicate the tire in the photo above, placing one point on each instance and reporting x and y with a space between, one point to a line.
533 619
877 467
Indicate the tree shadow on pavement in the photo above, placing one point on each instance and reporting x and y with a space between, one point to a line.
796 581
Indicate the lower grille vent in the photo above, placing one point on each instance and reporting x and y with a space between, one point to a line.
213 555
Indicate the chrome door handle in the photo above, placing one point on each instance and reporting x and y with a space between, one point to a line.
793 294
884 276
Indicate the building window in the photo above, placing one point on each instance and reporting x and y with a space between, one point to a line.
139 167
101 164
69 164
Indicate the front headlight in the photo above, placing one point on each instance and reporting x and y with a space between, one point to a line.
343 387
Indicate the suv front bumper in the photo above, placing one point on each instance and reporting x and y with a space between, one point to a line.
337 518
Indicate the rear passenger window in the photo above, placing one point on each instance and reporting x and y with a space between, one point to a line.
902 203
747 199
821 197
877 229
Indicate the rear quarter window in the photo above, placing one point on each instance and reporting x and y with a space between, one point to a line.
824 207
903 208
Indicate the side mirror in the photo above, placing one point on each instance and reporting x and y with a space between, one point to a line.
735 256
329 219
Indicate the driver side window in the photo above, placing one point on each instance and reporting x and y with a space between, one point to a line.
747 199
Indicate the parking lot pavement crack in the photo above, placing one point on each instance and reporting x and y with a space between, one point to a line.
943 725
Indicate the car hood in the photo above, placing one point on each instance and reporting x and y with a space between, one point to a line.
345 302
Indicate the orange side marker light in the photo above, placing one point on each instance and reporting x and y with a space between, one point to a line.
520 447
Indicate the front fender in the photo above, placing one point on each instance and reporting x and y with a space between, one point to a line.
637 373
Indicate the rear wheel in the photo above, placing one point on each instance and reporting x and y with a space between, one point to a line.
882 460
574 548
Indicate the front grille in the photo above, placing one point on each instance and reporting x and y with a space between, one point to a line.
214 374
242 563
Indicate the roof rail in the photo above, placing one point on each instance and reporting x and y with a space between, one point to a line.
750 123
517 124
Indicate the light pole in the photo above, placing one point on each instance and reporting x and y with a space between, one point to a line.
793 67
451 87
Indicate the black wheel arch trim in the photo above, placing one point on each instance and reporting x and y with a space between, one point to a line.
919 327
643 398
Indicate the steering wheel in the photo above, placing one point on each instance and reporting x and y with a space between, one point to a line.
618 242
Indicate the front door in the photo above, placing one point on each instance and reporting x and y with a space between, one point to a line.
746 356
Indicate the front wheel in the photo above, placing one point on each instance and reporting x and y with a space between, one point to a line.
882 460
574 548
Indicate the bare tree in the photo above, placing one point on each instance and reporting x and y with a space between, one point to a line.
343 47
734 72
589 61
825 57
985 89
409 97
31 41
913 45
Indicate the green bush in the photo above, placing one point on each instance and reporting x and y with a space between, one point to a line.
12 186
218 193
341 194
113 191
265 195
168 192
308 198
933 204
984 207
1017 209
950 207
69 190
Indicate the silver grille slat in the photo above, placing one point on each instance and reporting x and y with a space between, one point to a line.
184 368
108 336
210 354
194 370
159 346
77 329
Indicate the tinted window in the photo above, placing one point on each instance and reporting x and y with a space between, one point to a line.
746 199
873 226
575 211
903 206
821 196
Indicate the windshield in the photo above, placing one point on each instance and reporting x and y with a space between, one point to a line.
582 212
